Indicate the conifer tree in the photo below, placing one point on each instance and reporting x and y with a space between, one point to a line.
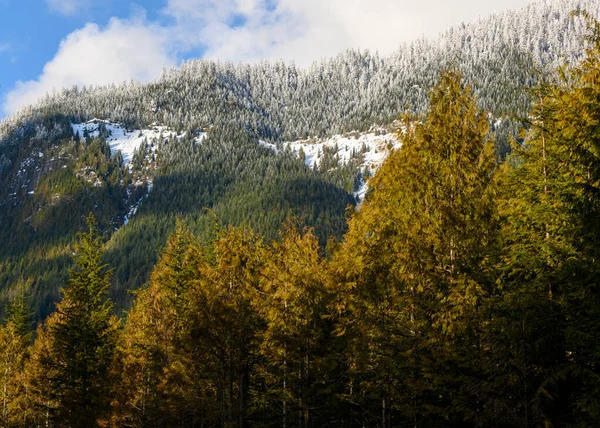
413 261
225 325
14 341
157 385
292 304
550 207
82 337
38 401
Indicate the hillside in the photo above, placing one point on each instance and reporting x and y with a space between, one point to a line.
200 138
463 294
498 55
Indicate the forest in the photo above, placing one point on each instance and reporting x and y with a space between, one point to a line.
463 294
51 177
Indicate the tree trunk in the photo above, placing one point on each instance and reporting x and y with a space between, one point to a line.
243 392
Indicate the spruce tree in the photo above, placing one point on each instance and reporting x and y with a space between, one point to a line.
82 337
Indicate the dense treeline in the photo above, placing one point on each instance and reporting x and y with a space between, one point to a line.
227 174
50 179
498 55
464 294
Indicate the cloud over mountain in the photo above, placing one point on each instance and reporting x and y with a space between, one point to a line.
236 30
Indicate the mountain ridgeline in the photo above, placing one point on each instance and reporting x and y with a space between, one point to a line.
52 177
463 294
499 56
205 288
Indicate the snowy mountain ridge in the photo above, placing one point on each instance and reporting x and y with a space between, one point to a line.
498 55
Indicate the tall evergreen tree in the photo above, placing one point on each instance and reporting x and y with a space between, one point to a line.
551 230
292 303
82 337
158 385
14 341
225 325
413 262
37 398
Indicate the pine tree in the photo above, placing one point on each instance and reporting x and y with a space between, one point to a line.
82 337
14 341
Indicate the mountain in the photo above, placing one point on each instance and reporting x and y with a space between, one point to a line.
198 143
136 199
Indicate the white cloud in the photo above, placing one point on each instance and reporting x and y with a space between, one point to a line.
5 47
67 7
308 30
239 30
124 50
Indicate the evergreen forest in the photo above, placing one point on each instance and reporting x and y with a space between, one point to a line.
52 177
225 284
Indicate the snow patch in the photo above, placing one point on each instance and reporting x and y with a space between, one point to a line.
370 149
127 141
135 207
268 145
123 140
373 146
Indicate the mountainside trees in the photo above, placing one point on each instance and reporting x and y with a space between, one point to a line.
46 171
229 173
465 294
275 100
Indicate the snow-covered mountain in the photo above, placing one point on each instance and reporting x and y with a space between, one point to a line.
198 141
498 55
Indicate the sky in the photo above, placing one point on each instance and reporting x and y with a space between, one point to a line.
46 45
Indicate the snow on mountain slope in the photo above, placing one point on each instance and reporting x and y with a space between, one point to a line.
375 147
120 139
368 149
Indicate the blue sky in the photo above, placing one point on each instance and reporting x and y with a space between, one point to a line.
31 32
48 44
